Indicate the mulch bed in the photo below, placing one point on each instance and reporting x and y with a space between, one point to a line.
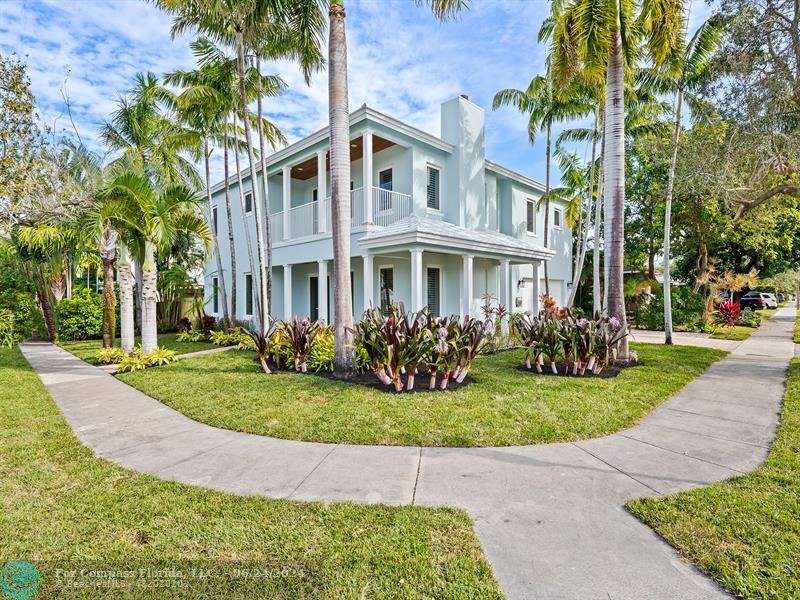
607 373
369 380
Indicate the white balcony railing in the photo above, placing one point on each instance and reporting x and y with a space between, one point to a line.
314 218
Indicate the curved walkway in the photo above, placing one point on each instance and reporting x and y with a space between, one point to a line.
550 517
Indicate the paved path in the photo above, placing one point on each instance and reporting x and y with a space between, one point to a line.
550 517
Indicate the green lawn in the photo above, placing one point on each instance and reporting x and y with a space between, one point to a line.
740 333
743 532
503 406
61 507
85 349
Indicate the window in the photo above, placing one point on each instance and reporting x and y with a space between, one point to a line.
433 276
248 202
433 188
557 218
385 183
314 196
248 293
531 216
387 289
214 219
385 179
215 294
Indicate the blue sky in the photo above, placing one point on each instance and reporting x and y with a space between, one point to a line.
401 62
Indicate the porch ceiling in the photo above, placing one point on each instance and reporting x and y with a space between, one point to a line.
308 168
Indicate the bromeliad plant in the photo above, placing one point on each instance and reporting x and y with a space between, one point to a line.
581 343
300 334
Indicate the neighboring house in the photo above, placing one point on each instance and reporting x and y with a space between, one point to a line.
433 224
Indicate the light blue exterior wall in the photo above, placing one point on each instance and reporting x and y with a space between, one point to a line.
473 194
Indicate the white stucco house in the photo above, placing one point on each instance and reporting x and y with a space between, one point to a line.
433 224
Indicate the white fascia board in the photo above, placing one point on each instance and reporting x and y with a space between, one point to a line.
418 237
363 113
518 177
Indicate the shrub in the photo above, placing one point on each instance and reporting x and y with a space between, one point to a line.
136 361
25 312
194 335
110 356
749 318
231 337
320 358
208 323
7 333
80 318
299 335
687 310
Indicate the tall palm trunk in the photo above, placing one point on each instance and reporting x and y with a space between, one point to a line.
108 254
615 183
139 311
251 257
576 277
263 316
547 209
231 244
597 290
343 357
668 218
149 287
126 281
46 304
226 317
264 183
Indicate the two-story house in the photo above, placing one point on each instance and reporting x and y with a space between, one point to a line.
433 224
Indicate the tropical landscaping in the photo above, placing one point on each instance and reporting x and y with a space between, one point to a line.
676 150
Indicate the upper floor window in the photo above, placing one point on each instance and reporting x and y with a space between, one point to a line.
530 219
385 179
314 195
434 189
214 219
557 218
248 202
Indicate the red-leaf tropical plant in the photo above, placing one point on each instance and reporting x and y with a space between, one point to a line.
729 313
300 334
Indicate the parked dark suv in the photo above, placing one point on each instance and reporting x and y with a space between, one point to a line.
753 301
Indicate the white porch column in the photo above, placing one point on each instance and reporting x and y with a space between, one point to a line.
287 292
535 304
366 162
322 191
416 280
368 281
503 295
466 286
322 289
287 200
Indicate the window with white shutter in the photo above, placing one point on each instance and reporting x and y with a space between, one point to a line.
387 289
248 202
434 292
531 217
434 188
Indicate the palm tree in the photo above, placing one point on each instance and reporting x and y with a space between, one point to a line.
344 356
602 38
544 107
683 79
147 141
157 214
295 27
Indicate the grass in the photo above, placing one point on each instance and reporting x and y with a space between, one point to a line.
85 349
61 507
797 324
503 406
743 532
739 333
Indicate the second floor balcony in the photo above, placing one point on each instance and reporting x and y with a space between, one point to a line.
380 207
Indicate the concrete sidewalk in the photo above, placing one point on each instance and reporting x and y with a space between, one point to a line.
550 517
